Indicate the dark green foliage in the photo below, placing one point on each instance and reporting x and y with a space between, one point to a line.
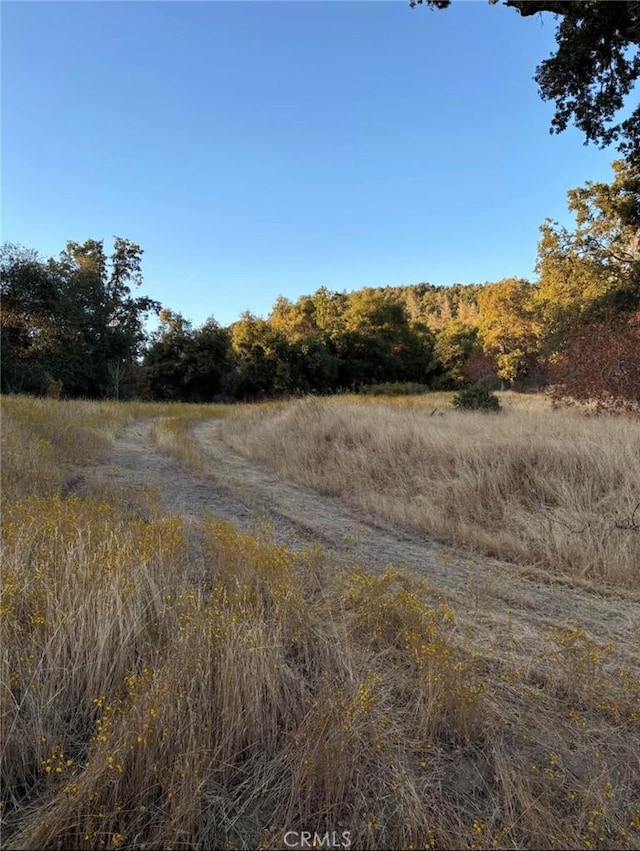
186 365
455 344
394 388
595 67
443 382
476 398
72 326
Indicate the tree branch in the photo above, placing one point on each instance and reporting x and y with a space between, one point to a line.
532 7
632 524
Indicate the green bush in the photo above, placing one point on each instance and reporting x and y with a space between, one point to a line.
476 398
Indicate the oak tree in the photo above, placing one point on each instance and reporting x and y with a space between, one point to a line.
591 272
507 327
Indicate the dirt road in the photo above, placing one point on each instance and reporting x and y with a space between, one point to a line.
502 610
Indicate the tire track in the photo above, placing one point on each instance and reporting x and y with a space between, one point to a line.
504 611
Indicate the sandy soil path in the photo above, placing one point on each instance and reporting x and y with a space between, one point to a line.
502 610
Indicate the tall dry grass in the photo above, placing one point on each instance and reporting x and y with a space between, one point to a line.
144 708
43 439
549 488
170 431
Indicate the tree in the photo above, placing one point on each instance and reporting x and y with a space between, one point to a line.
588 296
166 357
314 368
608 219
569 285
507 327
259 368
601 363
594 69
294 321
186 365
74 320
379 345
454 346
592 272
328 312
29 304
103 323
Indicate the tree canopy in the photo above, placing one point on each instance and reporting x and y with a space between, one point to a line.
592 271
71 323
594 69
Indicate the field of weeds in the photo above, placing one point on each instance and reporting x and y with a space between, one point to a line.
555 489
161 689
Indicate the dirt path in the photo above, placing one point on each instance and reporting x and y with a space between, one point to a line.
502 610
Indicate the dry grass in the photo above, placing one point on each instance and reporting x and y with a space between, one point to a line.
530 485
171 431
145 708
44 441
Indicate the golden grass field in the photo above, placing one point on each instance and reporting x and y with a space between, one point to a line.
529 485
175 684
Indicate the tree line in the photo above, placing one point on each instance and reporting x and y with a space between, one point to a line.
74 327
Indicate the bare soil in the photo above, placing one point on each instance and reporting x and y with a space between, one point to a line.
503 611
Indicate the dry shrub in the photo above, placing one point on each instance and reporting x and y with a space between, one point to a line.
599 365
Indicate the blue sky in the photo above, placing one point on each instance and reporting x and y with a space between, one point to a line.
257 149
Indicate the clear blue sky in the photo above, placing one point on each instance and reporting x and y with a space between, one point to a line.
262 148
